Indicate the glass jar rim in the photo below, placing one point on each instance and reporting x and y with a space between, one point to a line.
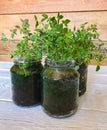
21 60
59 64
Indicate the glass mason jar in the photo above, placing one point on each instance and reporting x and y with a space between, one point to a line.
26 83
83 70
60 89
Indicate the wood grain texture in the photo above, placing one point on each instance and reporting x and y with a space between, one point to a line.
91 114
39 6
5 58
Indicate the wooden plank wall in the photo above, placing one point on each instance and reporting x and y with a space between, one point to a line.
78 11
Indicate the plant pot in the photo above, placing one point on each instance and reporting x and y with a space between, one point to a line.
26 83
83 70
60 89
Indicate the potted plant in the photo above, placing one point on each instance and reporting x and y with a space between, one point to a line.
85 50
26 77
60 79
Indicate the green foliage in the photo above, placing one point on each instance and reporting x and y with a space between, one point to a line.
29 46
63 44
85 48
53 36
57 38
4 39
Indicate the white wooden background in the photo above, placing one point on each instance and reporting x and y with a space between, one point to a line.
91 114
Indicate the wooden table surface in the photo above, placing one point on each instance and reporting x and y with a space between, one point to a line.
91 114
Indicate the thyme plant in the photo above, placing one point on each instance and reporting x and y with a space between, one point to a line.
53 36
57 38
85 48
63 44
28 49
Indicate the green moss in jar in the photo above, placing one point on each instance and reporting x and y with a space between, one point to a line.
60 89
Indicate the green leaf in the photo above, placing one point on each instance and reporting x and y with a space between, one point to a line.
33 38
4 39
36 20
65 22
13 32
83 25
45 16
25 24
97 68
17 26
59 16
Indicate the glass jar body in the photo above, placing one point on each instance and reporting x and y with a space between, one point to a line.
83 71
60 90
26 83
